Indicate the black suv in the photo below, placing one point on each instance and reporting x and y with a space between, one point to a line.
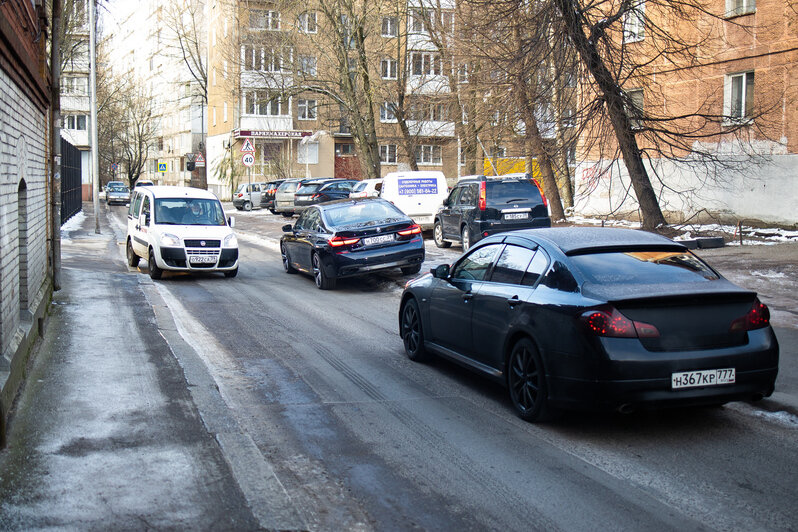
267 195
479 206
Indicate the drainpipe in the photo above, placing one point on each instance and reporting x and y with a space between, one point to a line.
55 182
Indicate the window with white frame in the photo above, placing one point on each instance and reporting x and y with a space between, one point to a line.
387 112
740 7
429 154
306 65
461 156
425 64
388 154
462 73
569 118
265 103
307 22
416 22
265 59
634 107
429 111
347 33
634 22
389 26
447 22
388 68
738 102
306 109
263 19
77 122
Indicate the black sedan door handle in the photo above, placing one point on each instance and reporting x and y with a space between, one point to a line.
513 301
467 296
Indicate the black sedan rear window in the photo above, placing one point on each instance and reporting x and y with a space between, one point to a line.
361 213
512 191
645 267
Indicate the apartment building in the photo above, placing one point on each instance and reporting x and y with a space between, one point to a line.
740 93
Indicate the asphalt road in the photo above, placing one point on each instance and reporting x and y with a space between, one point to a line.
337 430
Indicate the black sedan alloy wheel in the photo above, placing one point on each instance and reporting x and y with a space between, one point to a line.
286 260
322 280
412 334
526 381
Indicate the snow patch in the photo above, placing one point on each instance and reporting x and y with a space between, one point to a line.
770 274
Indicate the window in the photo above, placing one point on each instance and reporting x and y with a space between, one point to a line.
497 151
387 112
347 35
462 73
428 154
260 19
569 118
634 22
389 26
265 59
475 266
224 112
634 108
511 265
307 22
306 109
388 68
537 267
307 65
447 22
265 103
417 22
468 196
425 64
75 85
388 154
344 149
740 7
77 122
461 156
224 69
738 103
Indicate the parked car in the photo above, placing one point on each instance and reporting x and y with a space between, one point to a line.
117 194
351 237
144 183
247 196
180 229
313 191
267 195
480 206
284 197
368 188
417 194
593 318
114 184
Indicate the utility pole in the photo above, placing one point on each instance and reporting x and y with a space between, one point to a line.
95 158
55 182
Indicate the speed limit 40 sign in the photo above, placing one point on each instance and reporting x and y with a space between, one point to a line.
248 159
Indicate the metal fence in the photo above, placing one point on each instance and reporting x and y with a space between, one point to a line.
71 201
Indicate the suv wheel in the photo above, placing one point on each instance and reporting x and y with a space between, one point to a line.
465 236
437 236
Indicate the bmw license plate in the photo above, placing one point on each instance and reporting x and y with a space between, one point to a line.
708 377
516 216
202 259
382 239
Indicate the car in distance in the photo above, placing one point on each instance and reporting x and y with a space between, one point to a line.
313 191
247 196
144 183
284 197
593 318
479 206
350 237
117 194
267 195
180 229
368 188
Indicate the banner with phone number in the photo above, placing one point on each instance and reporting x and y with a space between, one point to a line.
417 185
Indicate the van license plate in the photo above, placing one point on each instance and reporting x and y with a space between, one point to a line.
709 377
516 216
382 239
202 259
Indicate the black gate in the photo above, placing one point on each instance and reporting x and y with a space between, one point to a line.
71 198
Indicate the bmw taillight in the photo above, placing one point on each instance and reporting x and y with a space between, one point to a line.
542 195
412 230
483 202
338 241
608 321
756 318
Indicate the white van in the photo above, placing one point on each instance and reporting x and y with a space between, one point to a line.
182 229
417 194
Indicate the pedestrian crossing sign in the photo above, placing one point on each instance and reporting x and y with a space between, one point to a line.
162 167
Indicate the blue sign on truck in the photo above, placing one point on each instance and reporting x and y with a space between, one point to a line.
417 185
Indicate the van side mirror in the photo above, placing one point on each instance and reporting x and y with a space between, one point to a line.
231 221
288 228
144 219
441 271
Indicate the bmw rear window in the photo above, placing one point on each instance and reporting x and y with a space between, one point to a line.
510 191
643 267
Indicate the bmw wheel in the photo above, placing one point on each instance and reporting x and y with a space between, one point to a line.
411 331
322 280
286 260
526 381
437 236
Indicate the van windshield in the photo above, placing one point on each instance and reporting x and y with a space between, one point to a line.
188 211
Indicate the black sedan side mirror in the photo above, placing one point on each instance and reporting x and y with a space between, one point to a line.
441 271
288 228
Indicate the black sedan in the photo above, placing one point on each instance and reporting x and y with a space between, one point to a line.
593 318
351 237
314 191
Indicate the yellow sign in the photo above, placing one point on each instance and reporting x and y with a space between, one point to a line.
162 168
510 165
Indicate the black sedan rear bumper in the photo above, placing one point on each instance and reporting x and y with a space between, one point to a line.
351 263
632 378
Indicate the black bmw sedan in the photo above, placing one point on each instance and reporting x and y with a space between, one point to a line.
351 237
593 318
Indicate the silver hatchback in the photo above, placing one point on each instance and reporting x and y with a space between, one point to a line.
284 197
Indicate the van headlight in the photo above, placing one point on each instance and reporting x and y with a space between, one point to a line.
169 240
230 241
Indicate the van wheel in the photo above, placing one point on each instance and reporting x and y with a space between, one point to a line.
466 238
247 206
132 258
231 273
437 236
155 271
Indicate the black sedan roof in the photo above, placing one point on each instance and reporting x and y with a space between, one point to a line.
578 240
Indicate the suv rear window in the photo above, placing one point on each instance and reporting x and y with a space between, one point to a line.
308 189
512 190
643 267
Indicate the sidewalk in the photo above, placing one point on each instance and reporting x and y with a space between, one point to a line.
105 434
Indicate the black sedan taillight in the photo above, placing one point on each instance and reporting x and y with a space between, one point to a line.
757 317
608 321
